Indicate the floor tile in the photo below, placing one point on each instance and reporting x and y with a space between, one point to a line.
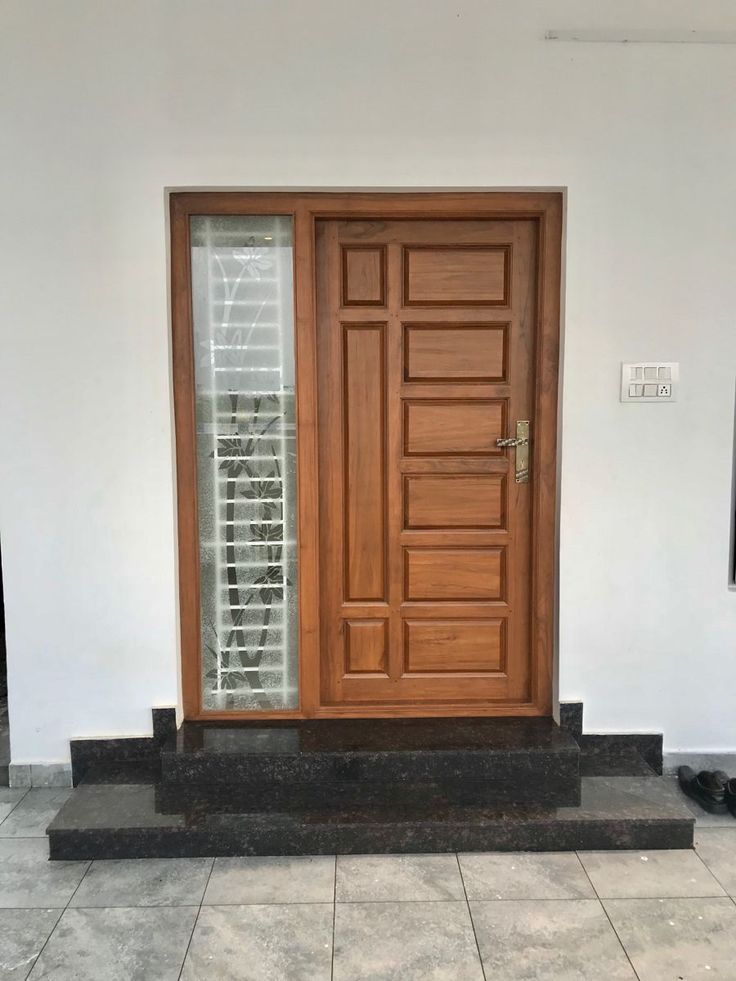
9 799
525 875
389 878
34 813
668 939
548 940
22 935
407 941
261 943
28 879
717 848
271 880
639 875
117 945
144 882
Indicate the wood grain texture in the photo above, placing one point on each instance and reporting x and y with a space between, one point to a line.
467 353
466 574
454 645
366 646
364 399
453 427
186 461
456 276
363 276
454 501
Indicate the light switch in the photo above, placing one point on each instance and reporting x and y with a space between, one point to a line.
650 381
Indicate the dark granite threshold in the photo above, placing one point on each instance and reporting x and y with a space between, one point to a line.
622 753
470 759
130 820
613 748
95 752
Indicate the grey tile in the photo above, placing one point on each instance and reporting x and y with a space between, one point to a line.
639 875
700 761
34 813
117 945
19 774
144 882
407 941
388 878
10 797
271 880
51 774
548 940
717 848
22 935
28 879
261 943
668 939
525 875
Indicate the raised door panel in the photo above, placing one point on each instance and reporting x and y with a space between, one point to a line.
365 646
456 276
437 502
365 461
363 276
454 645
459 574
467 353
459 427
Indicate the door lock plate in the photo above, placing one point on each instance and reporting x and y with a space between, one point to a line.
520 443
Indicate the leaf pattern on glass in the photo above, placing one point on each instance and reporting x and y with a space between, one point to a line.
235 453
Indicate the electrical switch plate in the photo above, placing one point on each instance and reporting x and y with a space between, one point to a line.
650 381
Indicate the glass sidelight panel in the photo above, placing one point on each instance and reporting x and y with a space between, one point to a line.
242 297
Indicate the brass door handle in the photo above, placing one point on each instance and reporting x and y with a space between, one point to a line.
520 443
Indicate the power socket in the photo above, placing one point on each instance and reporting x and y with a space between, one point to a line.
650 381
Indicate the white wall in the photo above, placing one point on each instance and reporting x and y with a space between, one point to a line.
104 104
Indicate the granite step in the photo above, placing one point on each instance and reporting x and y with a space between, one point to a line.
471 761
136 817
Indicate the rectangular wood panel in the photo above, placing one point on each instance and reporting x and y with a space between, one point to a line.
474 352
363 276
470 574
454 645
456 276
365 646
450 501
459 427
365 461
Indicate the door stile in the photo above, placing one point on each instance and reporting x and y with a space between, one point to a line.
393 463
307 449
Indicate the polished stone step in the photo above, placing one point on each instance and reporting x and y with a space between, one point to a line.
471 761
147 819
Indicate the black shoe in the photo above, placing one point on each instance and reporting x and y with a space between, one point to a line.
730 791
706 787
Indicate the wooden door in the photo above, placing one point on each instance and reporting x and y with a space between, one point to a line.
426 356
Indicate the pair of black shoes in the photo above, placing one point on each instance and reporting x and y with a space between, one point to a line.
712 789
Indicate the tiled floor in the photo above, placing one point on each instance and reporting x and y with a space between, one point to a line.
657 916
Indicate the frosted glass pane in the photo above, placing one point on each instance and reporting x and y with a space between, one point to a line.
242 296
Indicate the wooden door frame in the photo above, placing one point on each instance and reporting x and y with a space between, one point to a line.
545 208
